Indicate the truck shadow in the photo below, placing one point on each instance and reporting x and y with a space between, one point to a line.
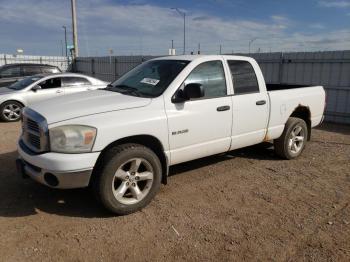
263 151
335 128
23 197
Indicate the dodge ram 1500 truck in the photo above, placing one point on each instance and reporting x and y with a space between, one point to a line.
121 140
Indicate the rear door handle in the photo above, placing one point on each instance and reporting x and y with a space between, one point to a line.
59 91
260 102
222 108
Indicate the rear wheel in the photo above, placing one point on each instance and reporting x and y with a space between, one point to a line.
11 111
293 139
129 178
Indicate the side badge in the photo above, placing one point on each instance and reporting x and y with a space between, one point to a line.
179 132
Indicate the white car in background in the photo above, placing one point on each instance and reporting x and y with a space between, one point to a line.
42 87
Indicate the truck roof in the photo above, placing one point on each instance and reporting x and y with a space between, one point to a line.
26 64
194 57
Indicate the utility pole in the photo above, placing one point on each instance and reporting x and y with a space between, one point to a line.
184 16
65 38
220 49
75 32
199 48
250 42
172 44
61 47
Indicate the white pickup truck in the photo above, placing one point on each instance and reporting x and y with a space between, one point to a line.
121 140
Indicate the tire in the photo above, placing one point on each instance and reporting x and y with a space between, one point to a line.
293 139
11 111
120 185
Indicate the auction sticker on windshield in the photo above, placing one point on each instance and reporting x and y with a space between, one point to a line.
150 81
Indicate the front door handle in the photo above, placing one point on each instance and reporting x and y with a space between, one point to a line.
222 108
59 91
260 102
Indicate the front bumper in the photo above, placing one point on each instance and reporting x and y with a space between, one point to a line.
57 170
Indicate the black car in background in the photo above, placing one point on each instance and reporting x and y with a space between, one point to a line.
11 73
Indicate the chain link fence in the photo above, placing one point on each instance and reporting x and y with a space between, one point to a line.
59 61
107 68
329 69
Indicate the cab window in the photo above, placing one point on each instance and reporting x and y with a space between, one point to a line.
211 76
51 83
243 77
11 72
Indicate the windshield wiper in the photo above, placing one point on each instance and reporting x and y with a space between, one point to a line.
125 89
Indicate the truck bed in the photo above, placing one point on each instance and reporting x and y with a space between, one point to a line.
284 99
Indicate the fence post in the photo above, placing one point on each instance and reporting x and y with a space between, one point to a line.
280 69
115 68
93 66
73 67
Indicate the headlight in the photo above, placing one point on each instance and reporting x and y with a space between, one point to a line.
72 139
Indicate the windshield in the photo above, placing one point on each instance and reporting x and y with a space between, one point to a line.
24 82
149 79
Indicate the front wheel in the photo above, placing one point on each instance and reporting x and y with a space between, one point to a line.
129 178
292 141
11 111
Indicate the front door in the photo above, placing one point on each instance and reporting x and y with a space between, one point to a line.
50 88
201 127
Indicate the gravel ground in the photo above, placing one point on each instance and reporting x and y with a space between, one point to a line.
245 205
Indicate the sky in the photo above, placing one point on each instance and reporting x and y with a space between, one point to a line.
140 27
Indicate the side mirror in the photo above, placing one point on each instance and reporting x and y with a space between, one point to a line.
36 88
190 91
193 90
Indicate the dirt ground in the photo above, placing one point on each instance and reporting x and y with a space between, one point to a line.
246 205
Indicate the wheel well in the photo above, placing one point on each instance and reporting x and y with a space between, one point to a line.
19 102
148 141
303 112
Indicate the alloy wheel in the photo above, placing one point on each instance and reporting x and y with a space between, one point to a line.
296 139
12 112
132 181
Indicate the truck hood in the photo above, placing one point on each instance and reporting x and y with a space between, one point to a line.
86 103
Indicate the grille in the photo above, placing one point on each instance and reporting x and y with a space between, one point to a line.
32 125
34 140
34 132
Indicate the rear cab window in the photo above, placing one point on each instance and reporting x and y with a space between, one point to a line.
50 70
30 70
243 76
74 81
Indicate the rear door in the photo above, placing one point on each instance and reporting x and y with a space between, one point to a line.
250 105
50 70
30 70
75 84
10 75
50 88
